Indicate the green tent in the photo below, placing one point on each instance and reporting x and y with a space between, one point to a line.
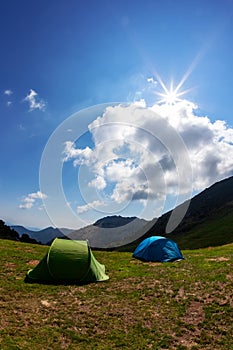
68 261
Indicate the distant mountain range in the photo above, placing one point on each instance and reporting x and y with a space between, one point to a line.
96 234
208 221
44 236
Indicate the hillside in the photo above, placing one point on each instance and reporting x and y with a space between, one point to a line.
208 221
183 305
7 232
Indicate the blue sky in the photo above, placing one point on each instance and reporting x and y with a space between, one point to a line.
60 57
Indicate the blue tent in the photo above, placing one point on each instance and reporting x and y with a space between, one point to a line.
157 248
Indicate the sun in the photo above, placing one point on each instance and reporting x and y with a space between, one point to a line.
170 96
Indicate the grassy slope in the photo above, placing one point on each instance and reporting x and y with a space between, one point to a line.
183 305
214 230
208 220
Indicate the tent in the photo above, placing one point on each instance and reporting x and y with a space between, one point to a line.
157 248
68 261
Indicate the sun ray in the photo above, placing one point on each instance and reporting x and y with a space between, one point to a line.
172 95
190 70
161 82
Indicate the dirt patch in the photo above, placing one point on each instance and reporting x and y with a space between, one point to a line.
189 344
33 262
221 258
194 313
230 277
47 303
9 264
180 295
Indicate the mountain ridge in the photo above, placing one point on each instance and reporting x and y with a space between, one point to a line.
212 205
104 234
44 236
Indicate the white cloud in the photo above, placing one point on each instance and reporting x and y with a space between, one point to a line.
8 92
30 200
38 195
34 101
146 153
93 205
27 203
99 183
151 80
80 155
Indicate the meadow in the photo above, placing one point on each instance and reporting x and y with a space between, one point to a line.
181 305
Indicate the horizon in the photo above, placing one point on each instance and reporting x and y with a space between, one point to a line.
35 229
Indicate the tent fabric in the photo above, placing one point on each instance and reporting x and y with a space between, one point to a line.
158 248
68 261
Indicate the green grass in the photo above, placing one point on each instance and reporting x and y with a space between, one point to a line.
182 305
215 230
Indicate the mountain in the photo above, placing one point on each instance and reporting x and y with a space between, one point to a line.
110 231
44 236
21 230
97 235
6 232
114 221
208 220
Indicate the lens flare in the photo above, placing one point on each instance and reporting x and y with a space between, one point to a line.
172 95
